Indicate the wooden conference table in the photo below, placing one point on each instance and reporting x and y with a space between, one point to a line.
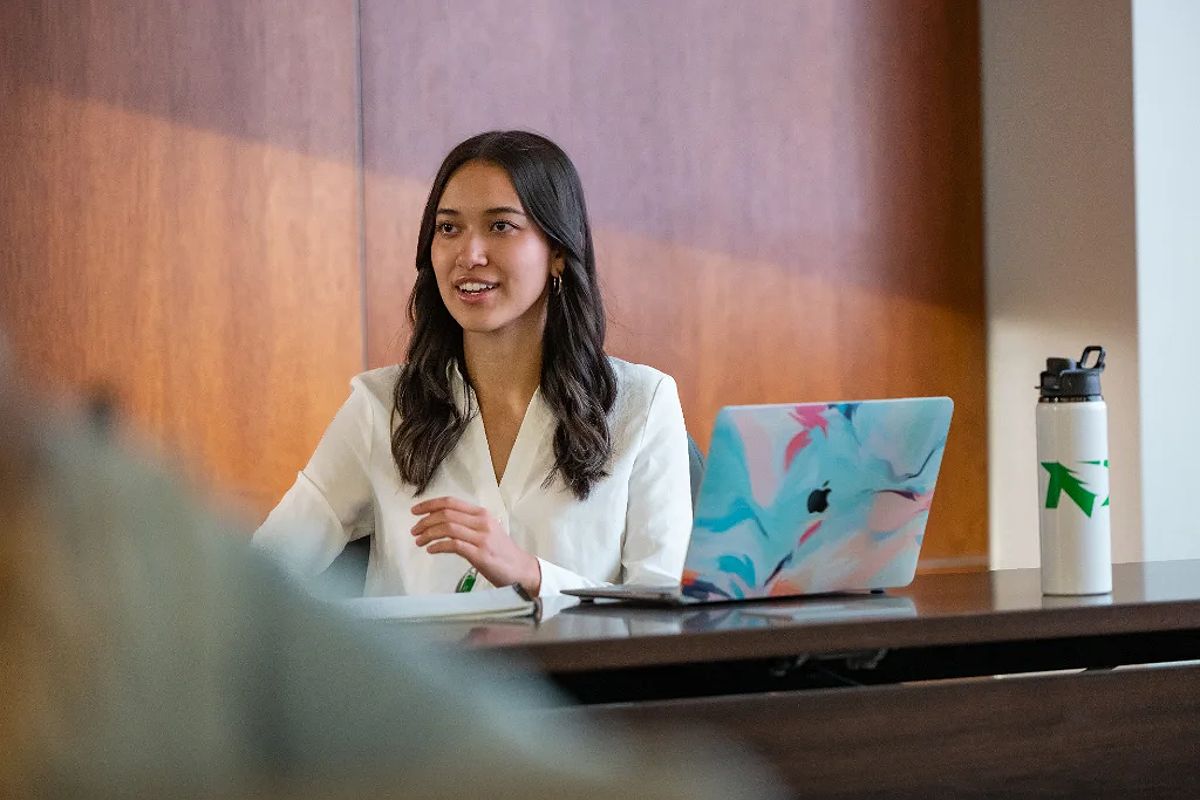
898 694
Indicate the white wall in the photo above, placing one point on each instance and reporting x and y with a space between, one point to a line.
1166 72
1059 243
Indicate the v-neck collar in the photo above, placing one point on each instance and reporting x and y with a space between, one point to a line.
522 459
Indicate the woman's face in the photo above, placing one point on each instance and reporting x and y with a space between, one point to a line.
492 261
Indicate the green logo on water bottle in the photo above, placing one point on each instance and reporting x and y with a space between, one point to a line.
1065 480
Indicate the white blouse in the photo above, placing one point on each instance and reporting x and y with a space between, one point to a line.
632 528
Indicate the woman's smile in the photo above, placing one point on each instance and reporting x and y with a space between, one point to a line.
473 291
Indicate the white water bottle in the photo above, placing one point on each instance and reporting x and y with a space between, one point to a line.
1072 454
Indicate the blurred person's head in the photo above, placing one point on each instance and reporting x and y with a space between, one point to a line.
146 652
92 542
24 629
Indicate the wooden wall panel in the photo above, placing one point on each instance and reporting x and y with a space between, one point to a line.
786 196
179 219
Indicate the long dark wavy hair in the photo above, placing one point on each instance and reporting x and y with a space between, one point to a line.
577 381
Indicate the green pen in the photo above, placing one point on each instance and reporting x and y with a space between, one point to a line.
467 582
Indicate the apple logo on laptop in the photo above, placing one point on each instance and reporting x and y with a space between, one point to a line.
818 501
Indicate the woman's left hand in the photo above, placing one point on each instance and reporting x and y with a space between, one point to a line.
450 525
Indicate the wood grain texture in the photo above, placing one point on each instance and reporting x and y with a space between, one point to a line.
179 220
786 199
1120 734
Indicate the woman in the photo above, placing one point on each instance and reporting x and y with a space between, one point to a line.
508 448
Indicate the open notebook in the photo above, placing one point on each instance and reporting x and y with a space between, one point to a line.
507 601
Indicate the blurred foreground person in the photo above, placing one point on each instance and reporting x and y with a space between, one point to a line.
146 652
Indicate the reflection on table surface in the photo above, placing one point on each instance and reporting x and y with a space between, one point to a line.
930 597
825 609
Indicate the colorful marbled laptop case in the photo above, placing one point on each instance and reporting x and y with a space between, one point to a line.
801 499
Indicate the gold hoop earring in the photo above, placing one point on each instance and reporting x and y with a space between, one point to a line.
556 284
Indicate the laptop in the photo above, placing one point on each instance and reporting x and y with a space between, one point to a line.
808 499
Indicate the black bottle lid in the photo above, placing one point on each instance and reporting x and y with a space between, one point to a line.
1065 379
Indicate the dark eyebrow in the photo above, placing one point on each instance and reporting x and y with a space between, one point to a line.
452 212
